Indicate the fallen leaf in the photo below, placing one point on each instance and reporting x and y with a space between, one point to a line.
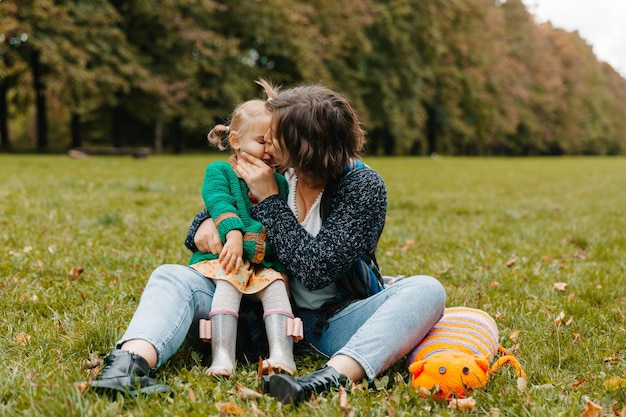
94 361
259 369
23 338
255 410
228 409
407 245
192 395
511 262
559 319
494 284
75 272
569 321
463 404
579 382
575 337
343 400
81 386
497 316
515 334
247 393
591 409
570 297
559 286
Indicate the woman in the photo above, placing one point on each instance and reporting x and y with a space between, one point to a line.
315 138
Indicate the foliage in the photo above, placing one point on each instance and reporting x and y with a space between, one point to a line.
499 234
454 77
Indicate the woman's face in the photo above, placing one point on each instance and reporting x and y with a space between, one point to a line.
273 148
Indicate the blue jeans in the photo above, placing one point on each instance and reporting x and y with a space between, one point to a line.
380 330
376 332
175 298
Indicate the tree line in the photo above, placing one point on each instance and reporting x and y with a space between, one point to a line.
457 77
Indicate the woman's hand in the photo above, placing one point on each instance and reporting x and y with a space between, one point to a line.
207 238
258 176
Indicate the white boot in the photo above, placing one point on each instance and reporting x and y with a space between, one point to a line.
280 344
223 344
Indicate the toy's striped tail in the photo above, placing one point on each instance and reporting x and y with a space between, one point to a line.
508 358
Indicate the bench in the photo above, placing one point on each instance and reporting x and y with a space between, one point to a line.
140 153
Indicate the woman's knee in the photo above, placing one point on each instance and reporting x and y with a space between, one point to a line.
178 276
423 288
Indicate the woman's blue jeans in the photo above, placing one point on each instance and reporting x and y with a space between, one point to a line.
376 332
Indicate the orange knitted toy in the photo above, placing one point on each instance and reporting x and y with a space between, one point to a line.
454 356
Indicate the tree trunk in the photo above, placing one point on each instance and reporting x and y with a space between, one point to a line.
117 127
40 98
77 140
159 127
5 145
431 129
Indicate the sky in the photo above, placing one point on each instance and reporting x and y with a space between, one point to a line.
602 23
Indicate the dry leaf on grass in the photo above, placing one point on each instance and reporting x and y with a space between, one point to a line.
511 262
559 319
229 409
343 401
81 386
463 404
247 393
559 286
23 338
255 410
75 272
591 409
617 412
93 365
407 245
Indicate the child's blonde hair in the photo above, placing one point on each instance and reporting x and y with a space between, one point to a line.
241 118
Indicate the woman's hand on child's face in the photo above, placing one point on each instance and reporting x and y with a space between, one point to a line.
258 176
207 238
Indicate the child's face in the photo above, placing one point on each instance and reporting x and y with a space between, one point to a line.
253 140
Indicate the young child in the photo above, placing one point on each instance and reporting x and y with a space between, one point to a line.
246 264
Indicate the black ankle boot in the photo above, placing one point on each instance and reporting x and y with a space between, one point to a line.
293 390
127 372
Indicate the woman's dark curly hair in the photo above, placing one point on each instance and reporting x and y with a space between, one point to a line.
318 129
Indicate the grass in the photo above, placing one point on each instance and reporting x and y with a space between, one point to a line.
498 233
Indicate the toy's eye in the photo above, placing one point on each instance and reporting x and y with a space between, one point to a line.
442 370
465 370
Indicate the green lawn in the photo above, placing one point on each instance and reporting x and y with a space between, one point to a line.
498 233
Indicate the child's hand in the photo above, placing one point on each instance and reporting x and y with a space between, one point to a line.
231 256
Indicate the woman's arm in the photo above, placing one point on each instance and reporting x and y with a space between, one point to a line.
354 225
202 235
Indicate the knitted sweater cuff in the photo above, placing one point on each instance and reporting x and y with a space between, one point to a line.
195 224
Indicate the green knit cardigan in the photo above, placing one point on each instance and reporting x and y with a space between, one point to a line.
227 200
